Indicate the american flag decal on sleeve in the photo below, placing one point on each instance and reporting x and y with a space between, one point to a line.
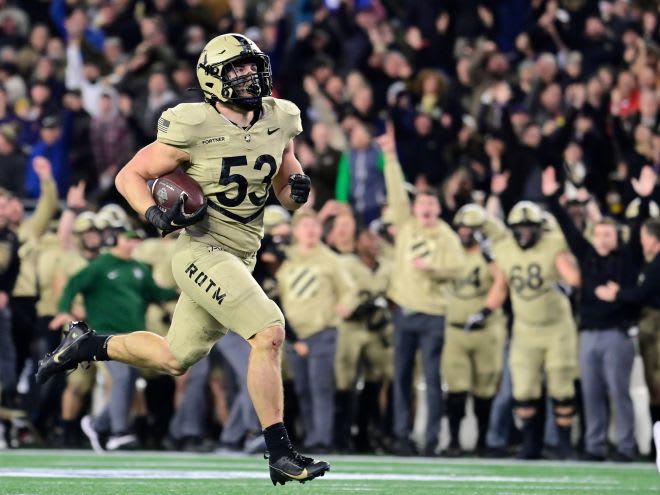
163 124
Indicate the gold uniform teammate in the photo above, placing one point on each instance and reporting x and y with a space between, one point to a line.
237 144
544 339
476 327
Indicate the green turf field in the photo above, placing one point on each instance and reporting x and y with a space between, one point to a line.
31 472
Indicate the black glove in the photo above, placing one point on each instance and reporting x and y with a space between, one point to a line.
300 186
476 320
174 218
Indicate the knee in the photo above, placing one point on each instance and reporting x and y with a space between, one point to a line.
486 385
170 364
269 339
526 409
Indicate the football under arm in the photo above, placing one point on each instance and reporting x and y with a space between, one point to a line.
150 162
568 269
290 165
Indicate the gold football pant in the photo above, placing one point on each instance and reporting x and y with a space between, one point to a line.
549 350
472 361
649 346
358 346
218 293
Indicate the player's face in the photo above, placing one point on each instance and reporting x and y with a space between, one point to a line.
91 240
368 244
466 235
526 235
604 239
307 232
248 88
109 237
426 209
650 244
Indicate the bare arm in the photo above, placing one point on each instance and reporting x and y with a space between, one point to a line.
75 200
568 270
37 224
499 290
397 197
281 188
498 185
150 162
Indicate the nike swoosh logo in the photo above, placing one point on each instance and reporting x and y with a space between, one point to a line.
300 476
271 131
56 358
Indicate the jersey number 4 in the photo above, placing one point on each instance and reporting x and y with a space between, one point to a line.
240 192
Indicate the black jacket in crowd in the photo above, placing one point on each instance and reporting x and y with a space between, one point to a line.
647 290
621 266
9 273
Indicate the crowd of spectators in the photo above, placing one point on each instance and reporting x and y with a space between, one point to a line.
483 96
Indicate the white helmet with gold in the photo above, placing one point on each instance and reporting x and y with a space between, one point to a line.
526 220
217 76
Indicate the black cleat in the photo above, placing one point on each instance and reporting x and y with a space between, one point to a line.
295 467
63 356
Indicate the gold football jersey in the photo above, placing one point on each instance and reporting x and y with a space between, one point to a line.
532 277
425 291
469 291
234 166
311 286
370 283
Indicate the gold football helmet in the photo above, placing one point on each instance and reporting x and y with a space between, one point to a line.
217 76
85 222
526 221
525 212
471 215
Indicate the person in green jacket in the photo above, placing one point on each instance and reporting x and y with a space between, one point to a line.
117 290
360 180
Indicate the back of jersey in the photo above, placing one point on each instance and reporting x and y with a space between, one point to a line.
234 166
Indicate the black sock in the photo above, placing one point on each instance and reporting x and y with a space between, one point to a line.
482 409
94 348
69 426
655 413
69 431
564 437
277 441
455 413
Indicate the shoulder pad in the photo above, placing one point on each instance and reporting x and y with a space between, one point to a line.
286 106
504 245
187 113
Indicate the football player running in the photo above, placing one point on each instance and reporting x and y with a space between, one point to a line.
237 144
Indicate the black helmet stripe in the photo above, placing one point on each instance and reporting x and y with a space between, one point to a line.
244 43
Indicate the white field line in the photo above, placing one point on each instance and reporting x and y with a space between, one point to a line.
213 475
366 459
